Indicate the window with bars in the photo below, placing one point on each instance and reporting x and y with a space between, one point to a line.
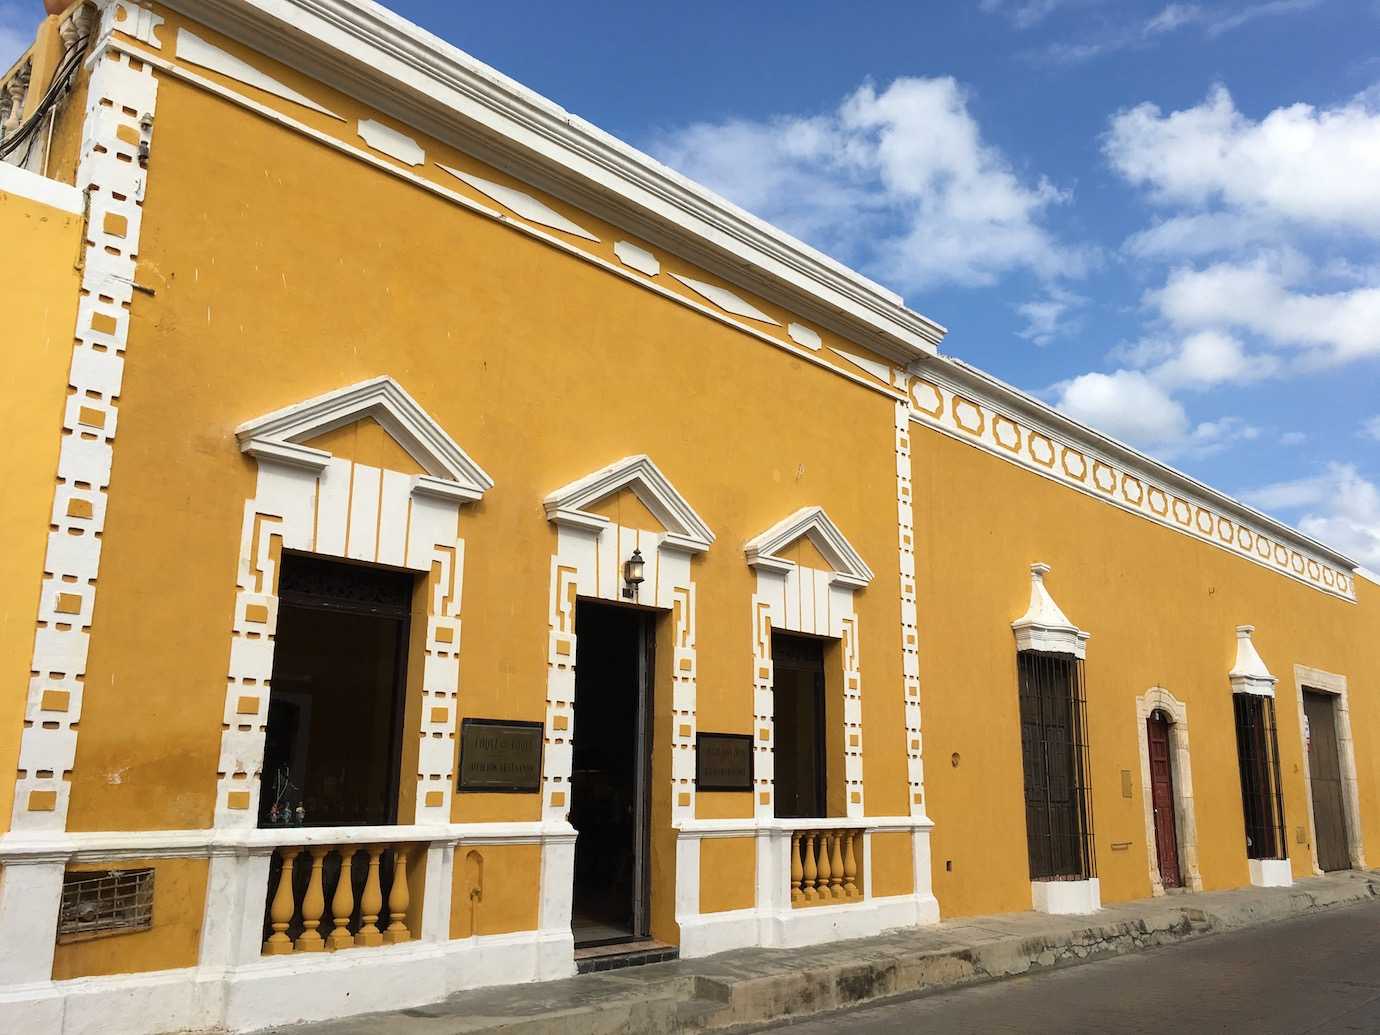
1257 752
1054 752
106 901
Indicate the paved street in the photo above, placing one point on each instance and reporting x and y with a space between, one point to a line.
1317 974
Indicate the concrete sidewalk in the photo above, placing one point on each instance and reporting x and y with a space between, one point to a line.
755 986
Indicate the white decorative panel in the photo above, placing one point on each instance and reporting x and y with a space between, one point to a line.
525 205
725 299
640 259
193 50
387 140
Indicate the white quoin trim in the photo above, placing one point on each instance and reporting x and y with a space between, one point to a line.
848 567
1249 674
1044 627
278 436
685 530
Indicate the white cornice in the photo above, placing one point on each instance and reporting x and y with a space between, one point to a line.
849 569
277 437
373 54
1001 398
1044 626
685 530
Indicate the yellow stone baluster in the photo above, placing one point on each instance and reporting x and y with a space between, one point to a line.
313 904
280 912
796 870
810 871
371 902
398 899
823 885
836 862
343 901
850 868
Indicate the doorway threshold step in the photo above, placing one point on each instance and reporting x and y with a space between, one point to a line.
599 958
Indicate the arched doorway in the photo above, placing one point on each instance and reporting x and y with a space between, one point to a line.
1162 798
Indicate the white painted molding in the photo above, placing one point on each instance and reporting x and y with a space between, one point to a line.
277 436
806 336
880 371
26 184
725 299
194 50
640 259
388 141
686 530
1249 674
524 204
971 406
849 569
1044 627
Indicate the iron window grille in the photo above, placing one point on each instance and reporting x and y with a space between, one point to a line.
1054 753
106 901
1257 752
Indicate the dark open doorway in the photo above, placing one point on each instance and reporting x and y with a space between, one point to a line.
333 744
798 706
610 773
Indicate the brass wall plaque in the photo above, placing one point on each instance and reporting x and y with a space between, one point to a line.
723 762
499 756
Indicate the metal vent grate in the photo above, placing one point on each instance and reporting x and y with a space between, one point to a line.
112 900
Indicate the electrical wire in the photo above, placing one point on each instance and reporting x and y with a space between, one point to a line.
62 82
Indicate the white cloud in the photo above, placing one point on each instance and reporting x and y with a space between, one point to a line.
1210 358
1201 233
1318 168
1023 14
1293 438
1337 506
1116 33
18 23
1050 316
899 182
1371 428
1259 297
1125 404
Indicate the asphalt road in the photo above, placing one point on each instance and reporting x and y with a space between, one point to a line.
1320 973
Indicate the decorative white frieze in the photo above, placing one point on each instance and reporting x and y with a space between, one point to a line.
528 207
388 141
806 336
725 299
910 631
1044 627
1023 431
118 126
640 259
1249 674
194 50
881 371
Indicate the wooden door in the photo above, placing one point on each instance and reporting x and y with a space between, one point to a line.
1325 772
1162 799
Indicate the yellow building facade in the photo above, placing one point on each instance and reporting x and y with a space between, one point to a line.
446 546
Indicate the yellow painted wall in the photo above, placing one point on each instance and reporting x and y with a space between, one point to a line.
520 352
507 878
179 898
728 873
893 871
38 295
1162 609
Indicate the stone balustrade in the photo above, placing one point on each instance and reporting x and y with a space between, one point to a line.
326 897
824 866
45 71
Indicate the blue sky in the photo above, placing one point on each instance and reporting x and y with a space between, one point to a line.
1162 217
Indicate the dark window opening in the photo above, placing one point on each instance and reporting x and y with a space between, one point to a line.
800 762
1058 805
1257 752
333 747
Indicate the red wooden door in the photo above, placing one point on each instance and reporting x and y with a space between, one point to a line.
1162 799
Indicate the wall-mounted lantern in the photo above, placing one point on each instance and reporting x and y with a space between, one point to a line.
633 574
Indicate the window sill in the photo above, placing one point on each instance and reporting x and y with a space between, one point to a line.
1066 896
1271 873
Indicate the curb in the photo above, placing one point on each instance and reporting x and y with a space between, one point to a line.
750 989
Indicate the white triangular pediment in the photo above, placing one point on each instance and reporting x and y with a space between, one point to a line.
813 523
278 437
1249 674
1044 626
684 528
